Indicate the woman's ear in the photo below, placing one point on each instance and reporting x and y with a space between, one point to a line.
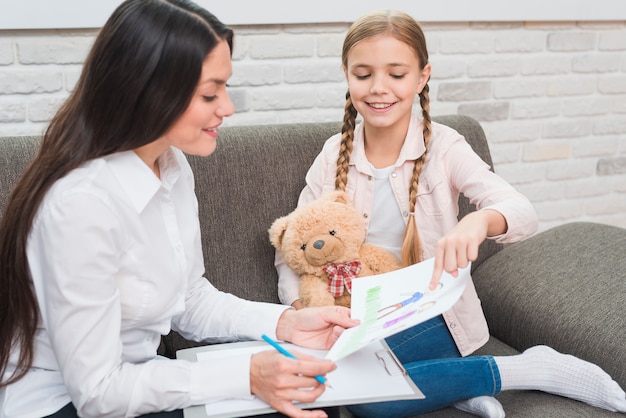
424 77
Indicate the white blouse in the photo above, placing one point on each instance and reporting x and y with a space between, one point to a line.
116 261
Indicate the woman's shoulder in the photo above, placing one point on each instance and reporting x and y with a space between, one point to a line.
75 192
80 179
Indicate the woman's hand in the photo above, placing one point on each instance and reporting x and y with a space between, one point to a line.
279 380
316 328
460 246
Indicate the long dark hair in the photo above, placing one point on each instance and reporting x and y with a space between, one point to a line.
136 82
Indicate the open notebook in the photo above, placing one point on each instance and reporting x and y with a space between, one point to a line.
369 375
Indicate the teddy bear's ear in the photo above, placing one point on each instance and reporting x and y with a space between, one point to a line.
277 230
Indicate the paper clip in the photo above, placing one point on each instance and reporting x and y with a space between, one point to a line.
392 366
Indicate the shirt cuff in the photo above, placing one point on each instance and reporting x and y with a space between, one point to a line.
260 318
228 378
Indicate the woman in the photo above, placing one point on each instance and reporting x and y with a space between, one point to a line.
100 252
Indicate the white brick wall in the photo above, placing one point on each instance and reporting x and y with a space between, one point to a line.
550 96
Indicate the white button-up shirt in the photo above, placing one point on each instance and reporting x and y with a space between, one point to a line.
116 261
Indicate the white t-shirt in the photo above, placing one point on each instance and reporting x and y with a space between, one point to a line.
386 228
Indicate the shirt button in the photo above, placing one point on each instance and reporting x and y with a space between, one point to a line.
365 215
405 214
452 325
369 178
394 174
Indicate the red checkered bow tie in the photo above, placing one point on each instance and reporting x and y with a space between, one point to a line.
340 275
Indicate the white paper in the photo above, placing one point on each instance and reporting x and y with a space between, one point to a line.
358 378
392 302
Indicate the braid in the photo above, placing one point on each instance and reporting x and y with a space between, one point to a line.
427 121
347 137
411 245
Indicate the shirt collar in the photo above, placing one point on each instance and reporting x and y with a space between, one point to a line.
138 181
412 148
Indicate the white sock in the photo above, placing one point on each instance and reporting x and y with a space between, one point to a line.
482 406
542 368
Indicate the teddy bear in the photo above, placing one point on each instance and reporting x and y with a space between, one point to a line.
324 243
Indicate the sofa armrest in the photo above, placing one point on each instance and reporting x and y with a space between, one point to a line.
564 287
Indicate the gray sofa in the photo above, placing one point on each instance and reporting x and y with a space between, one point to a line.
565 287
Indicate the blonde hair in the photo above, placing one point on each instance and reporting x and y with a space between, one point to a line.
404 28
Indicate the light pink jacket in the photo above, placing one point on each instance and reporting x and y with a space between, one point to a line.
451 167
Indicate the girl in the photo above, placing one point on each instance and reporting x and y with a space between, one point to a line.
404 173
100 251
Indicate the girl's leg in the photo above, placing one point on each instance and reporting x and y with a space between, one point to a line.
425 341
542 368
443 382
432 360
430 340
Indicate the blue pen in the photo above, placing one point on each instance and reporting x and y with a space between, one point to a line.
281 350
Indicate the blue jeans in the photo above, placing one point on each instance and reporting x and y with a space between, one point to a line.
433 362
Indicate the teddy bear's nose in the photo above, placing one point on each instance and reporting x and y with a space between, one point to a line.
319 244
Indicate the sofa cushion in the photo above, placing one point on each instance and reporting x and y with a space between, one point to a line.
548 302
17 153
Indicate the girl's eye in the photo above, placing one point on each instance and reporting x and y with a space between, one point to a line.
362 77
209 98
397 76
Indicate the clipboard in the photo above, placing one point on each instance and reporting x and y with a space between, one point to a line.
372 374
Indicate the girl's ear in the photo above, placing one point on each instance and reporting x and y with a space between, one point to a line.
424 77
345 71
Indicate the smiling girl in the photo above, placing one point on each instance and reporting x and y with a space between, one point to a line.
404 173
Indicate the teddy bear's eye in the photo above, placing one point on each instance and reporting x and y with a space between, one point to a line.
303 247
332 232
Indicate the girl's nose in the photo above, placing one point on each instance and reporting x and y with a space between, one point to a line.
378 85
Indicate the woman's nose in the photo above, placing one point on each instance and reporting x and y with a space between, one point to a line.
226 108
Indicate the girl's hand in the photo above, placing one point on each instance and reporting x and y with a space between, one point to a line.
460 246
279 381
